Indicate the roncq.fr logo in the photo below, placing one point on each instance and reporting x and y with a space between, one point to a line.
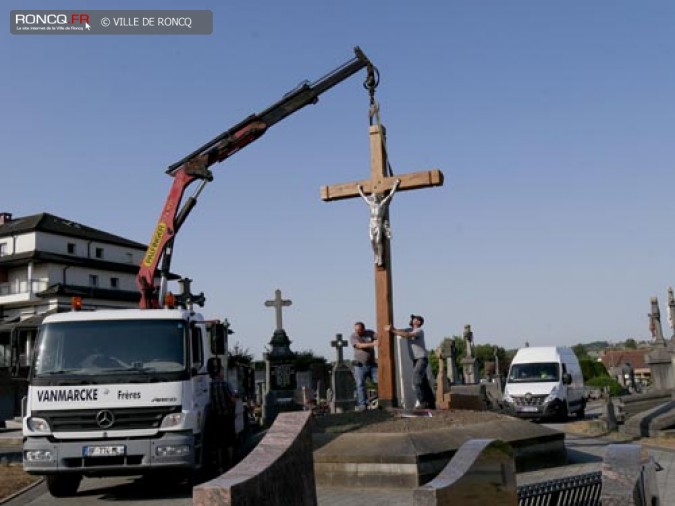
29 18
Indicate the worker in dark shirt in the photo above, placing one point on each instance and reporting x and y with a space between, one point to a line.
221 431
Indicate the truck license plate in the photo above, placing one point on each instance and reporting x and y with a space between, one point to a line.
104 451
529 409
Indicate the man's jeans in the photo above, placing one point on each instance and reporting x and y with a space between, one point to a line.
421 383
361 372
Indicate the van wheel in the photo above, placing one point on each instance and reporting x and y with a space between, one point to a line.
63 485
581 414
564 413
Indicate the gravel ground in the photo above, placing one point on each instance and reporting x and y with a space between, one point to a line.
392 421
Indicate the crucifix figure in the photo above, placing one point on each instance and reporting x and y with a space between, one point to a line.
277 304
338 343
379 226
383 183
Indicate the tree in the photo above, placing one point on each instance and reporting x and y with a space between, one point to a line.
483 353
305 358
630 344
592 369
580 351
433 363
486 353
615 387
240 355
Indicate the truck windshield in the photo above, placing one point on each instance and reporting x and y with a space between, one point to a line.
532 372
111 347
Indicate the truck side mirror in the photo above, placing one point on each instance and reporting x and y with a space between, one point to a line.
566 378
218 338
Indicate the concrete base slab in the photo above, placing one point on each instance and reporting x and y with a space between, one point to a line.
410 459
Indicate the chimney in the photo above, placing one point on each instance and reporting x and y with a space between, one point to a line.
5 218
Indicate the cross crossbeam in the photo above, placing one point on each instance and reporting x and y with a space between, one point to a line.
338 343
277 303
411 181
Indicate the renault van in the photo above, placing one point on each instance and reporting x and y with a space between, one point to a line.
545 382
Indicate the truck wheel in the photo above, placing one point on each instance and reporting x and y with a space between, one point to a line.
63 485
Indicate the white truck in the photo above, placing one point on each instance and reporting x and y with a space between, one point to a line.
545 382
118 392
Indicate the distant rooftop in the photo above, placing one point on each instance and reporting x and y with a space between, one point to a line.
45 222
618 358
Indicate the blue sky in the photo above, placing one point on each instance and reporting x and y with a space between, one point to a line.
553 123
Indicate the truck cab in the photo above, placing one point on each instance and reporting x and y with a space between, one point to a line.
545 382
118 392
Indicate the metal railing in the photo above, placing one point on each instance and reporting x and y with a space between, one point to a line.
15 288
579 490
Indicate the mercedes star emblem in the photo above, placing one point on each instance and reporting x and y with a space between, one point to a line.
105 419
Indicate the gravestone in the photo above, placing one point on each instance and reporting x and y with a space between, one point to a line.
450 352
342 382
280 374
469 363
305 389
442 382
498 378
321 374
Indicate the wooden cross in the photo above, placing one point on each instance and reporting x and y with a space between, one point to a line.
277 304
338 343
382 183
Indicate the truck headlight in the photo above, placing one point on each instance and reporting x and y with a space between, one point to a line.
507 398
173 420
36 424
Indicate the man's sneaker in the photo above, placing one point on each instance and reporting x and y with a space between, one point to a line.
360 408
417 404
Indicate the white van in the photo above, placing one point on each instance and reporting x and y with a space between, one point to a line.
545 382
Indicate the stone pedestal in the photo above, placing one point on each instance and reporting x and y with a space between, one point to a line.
281 381
660 362
470 367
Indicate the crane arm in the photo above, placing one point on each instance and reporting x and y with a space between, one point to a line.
195 166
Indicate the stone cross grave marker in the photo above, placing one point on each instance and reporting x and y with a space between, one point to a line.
277 303
382 183
338 343
342 381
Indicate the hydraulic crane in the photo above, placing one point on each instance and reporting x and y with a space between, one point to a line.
195 167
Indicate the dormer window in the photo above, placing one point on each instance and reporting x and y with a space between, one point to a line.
71 248
93 280
3 249
99 252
